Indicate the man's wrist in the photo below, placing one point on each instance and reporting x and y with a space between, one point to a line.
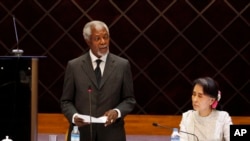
118 112
73 117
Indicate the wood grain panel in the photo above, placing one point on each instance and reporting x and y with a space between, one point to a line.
134 124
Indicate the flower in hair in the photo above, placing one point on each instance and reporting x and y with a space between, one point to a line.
214 105
219 96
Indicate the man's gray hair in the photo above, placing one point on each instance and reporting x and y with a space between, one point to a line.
93 24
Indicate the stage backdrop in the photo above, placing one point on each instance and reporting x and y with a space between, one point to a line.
168 42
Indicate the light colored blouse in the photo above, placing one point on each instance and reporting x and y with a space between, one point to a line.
214 127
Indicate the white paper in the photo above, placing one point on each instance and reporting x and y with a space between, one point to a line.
86 118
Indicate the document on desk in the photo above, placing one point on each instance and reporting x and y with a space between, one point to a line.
86 118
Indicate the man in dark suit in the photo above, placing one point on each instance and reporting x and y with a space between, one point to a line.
112 96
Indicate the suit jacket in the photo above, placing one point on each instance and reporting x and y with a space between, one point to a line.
115 91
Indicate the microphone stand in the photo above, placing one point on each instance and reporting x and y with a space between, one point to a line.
170 128
90 113
190 134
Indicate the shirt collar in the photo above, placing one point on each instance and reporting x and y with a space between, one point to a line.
94 58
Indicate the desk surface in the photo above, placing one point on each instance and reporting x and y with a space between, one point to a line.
61 137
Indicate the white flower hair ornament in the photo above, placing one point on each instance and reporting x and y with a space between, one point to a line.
214 105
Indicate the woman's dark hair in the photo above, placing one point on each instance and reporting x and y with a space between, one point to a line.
210 86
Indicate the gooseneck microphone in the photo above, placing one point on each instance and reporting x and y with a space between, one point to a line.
170 128
158 125
17 52
90 111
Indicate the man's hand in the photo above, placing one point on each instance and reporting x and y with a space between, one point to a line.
111 117
79 121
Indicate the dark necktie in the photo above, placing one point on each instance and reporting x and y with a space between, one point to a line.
98 73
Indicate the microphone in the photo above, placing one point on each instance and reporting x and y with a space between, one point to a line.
90 111
158 125
170 128
17 52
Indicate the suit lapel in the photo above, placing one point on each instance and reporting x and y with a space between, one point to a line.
88 68
109 67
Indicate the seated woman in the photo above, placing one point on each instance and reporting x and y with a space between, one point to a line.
205 122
